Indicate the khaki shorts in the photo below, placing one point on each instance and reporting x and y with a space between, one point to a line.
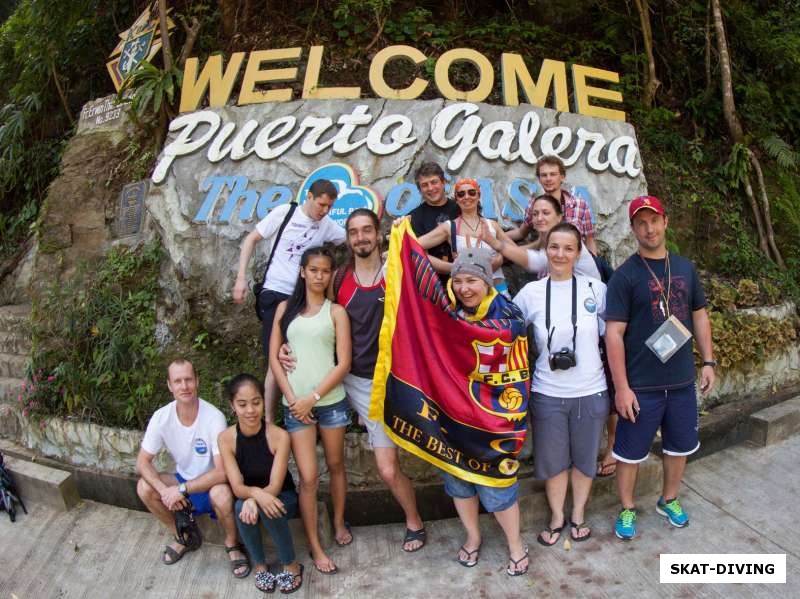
359 392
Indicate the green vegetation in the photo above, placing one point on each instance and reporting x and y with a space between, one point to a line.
95 353
52 60
742 340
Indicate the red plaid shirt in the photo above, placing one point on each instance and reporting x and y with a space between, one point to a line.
576 211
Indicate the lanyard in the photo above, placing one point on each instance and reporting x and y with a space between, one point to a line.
663 303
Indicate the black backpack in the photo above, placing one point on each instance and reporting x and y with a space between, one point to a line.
8 493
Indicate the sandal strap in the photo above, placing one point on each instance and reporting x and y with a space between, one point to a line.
469 553
553 531
517 561
173 555
415 535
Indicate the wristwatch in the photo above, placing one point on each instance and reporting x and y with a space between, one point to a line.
712 363
317 396
183 490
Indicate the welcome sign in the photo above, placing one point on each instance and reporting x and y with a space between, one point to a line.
224 167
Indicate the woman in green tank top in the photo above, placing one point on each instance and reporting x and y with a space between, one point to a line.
313 397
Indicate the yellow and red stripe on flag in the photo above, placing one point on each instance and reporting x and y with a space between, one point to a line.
451 389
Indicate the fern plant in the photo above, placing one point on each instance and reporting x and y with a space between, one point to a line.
781 151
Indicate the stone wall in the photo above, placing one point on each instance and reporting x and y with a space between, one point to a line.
114 450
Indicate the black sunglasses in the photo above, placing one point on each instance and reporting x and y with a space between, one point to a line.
464 192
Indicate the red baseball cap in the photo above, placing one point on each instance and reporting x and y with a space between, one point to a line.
645 202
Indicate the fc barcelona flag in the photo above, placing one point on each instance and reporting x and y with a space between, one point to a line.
450 388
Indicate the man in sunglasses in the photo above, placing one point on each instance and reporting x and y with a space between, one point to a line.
435 209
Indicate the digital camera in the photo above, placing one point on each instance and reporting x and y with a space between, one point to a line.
563 359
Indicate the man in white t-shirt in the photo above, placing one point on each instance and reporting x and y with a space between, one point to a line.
309 226
188 427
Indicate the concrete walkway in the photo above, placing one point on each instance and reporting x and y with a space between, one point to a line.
741 500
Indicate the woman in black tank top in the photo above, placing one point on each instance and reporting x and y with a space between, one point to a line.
256 458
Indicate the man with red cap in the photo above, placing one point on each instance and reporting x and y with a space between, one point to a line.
654 306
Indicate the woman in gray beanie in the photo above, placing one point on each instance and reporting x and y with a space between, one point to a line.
474 297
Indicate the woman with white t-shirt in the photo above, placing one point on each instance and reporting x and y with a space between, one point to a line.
546 213
569 396
468 229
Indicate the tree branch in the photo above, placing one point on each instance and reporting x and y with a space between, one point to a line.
166 48
765 205
60 90
192 31
652 83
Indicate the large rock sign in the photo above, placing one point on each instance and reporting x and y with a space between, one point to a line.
222 169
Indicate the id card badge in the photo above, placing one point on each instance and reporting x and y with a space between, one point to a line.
668 338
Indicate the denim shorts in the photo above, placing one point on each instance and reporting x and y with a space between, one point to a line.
333 416
493 499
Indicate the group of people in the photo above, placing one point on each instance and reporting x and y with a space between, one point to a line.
603 349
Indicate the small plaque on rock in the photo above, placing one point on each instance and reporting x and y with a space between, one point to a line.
131 207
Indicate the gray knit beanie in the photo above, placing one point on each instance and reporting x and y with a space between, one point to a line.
474 261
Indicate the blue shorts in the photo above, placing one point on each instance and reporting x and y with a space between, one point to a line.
493 499
674 410
201 502
333 416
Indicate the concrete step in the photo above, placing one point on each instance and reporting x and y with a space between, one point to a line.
12 366
776 423
15 319
212 531
42 484
15 343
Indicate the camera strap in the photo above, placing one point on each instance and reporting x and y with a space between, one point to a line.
574 313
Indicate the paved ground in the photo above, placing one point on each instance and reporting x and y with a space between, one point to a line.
741 501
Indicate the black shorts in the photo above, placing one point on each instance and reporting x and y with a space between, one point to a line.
268 301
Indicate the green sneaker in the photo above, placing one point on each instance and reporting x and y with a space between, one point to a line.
673 511
625 526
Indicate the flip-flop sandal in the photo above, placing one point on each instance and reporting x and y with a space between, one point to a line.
515 571
265 581
414 535
173 555
552 531
577 529
238 563
469 562
606 470
339 543
286 581
321 571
